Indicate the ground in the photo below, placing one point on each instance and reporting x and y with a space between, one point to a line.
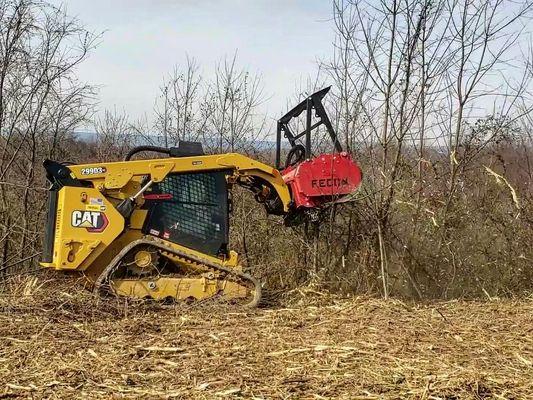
63 343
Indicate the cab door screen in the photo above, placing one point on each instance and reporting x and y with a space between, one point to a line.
196 213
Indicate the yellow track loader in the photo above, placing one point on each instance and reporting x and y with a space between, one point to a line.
159 228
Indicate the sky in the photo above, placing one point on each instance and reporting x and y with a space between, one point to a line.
143 40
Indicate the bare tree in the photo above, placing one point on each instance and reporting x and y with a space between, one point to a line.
409 78
115 135
41 101
230 108
177 108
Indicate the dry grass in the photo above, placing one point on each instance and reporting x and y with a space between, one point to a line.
56 342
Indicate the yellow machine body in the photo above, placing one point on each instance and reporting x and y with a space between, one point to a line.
89 231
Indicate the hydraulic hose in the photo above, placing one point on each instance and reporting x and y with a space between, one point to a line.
140 149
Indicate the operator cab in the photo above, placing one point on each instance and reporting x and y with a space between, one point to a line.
191 210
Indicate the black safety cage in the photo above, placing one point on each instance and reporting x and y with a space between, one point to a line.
196 215
310 104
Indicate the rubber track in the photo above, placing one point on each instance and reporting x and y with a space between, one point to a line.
148 240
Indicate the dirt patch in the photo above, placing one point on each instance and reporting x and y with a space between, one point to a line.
58 342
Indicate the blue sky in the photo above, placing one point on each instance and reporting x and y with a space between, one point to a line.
143 40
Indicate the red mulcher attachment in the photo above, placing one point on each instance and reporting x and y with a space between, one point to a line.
321 180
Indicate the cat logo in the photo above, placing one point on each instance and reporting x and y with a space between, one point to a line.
93 221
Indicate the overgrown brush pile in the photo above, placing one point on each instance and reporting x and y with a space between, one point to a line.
57 342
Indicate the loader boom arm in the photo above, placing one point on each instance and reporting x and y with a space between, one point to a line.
116 175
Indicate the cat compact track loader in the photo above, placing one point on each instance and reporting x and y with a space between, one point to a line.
158 228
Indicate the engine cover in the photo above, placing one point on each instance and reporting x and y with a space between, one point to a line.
322 179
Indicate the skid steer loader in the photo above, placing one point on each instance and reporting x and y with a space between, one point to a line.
158 228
